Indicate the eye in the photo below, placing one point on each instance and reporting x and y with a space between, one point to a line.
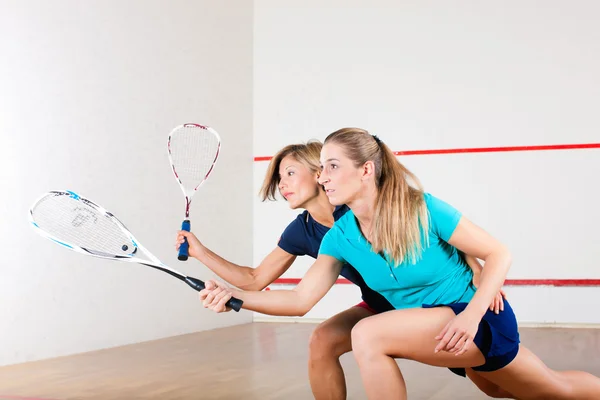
290 173
334 166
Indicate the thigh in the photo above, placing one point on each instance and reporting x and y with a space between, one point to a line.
527 377
410 334
487 386
336 330
345 320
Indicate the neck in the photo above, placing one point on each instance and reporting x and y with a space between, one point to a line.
321 210
363 208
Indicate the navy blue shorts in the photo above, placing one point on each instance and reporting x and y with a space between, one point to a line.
497 337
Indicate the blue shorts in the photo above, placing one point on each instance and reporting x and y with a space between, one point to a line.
497 337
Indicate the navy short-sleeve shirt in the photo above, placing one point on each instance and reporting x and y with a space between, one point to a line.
303 236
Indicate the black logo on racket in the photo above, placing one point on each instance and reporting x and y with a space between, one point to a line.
83 215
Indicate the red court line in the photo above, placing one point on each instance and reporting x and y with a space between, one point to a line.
483 150
508 282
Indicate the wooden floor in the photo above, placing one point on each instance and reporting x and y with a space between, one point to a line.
252 361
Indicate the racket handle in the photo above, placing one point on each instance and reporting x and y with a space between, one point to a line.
183 249
233 303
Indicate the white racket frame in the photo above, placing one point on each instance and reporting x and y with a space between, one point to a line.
190 194
152 261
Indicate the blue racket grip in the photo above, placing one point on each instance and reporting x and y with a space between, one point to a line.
183 249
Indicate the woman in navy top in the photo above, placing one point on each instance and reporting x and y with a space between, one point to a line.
405 244
293 172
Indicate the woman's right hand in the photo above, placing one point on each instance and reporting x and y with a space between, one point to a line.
215 295
194 245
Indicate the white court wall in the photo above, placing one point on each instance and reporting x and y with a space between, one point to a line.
435 75
88 94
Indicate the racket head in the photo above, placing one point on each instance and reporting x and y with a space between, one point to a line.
81 225
193 152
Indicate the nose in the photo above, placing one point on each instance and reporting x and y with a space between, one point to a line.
323 178
281 184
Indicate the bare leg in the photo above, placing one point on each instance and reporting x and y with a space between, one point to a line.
328 342
378 339
488 387
529 378
408 334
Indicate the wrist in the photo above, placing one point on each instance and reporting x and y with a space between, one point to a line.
202 252
476 310
238 294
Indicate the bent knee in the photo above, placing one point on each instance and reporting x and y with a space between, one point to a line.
364 339
328 340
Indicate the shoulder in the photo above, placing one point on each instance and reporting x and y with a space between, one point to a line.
294 238
435 205
301 219
443 217
297 224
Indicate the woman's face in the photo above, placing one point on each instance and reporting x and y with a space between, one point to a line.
298 185
341 179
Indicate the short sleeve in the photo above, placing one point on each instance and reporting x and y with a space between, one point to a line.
293 239
330 244
443 217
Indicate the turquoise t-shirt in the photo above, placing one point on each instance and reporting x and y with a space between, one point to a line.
441 276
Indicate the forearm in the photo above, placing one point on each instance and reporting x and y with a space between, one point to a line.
491 281
237 275
275 302
314 285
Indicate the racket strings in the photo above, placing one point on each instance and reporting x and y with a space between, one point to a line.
193 153
76 222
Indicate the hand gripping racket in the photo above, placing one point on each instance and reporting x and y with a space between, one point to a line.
193 152
83 226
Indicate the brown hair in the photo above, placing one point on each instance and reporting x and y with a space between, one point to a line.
306 153
400 221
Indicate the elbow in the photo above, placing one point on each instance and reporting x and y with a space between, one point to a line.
508 260
505 256
304 309
252 283
252 287
301 312
304 305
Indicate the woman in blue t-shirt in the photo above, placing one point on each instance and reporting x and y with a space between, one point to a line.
405 243
293 172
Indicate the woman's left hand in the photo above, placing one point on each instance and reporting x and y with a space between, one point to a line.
458 334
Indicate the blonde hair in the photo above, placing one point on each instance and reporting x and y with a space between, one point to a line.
306 153
400 222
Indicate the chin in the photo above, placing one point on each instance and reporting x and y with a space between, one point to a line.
335 201
294 205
